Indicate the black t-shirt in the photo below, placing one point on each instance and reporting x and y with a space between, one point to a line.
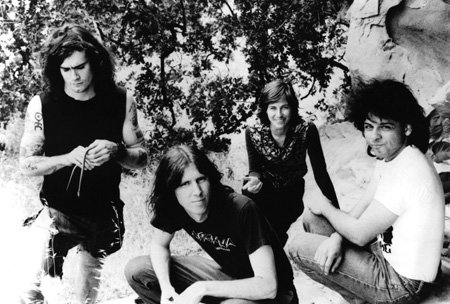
234 229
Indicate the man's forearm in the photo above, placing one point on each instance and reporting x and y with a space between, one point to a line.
256 288
42 165
160 258
134 158
345 224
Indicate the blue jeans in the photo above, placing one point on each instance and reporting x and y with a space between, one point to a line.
363 276
184 271
95 240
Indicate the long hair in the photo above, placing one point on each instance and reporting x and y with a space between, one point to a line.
389 99
273 92
62 43
169 174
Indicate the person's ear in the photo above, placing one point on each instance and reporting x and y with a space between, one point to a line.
408 130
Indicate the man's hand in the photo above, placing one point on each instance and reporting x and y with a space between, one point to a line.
252 185
169 296
329 254
319 205
101 151
76 157
191 295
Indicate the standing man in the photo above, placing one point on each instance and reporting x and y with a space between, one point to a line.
403 205
78 134
248 264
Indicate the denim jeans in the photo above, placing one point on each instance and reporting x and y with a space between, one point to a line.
184 271
95 240
364 275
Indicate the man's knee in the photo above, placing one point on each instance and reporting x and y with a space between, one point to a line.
316 224
296 246
302 248
89 261
139 270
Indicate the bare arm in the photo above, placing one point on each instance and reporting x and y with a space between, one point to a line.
374 220
134 155
262 286
364 222
329 254
365 200
33 162
160 257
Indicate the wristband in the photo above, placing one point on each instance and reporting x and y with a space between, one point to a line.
121 151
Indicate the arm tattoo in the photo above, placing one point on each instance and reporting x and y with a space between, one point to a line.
32 150
133 113
38 121
139 134
142 157
31 166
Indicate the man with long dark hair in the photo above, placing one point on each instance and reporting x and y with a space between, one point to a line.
248 266
78 134
403 205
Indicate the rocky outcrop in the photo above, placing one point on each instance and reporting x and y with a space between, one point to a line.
405 40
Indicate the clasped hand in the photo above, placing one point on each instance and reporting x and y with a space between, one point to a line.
318 206
191 295
95 155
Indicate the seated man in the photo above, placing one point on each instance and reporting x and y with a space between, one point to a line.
403 205
249 264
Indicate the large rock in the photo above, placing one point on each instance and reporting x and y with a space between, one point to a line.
405 40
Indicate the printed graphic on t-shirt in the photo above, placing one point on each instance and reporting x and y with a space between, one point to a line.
386 240
224 244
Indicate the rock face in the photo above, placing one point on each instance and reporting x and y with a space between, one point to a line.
405 40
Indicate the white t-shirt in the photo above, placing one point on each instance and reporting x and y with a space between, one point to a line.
409 187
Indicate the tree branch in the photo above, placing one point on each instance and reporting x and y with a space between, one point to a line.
229 7
311 89
183 10
162 84
339 65
100 32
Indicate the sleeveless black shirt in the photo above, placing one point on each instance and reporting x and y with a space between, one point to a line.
69 123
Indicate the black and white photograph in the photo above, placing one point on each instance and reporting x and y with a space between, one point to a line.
232 151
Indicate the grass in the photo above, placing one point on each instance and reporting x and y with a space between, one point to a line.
348 166
20 198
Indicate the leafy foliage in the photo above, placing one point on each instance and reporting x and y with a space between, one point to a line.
177 48
18 77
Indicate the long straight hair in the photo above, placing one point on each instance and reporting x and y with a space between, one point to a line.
168 176
273 92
